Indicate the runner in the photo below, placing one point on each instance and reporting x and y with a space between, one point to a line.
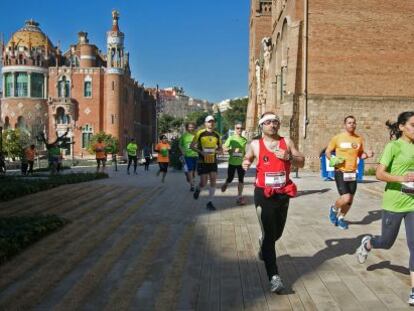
273 189
30 156
54 157
132 149
163 148
147 156
348 147
236 146
397 169
99 149
190 156
207 143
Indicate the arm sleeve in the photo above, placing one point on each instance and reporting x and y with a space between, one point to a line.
332 145
388 155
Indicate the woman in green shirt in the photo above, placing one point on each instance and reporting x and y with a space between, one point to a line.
397 169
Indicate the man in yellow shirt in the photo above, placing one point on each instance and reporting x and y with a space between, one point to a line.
348 147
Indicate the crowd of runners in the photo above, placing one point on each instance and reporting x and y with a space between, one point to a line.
275 156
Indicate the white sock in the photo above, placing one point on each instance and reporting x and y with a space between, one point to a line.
211 192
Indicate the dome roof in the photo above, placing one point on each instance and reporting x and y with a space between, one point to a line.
30 35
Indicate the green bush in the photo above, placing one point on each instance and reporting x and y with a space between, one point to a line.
175 154
17 233
370 172
13 187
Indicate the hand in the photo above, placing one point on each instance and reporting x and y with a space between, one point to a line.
409 177
282 154
369 153
246 164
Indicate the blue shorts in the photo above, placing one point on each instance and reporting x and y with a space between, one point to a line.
191 163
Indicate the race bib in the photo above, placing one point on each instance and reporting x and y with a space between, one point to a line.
407 188
164 152
237 154
350 176
275 179
210 155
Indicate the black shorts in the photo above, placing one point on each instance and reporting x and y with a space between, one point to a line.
344 187
163 166
231 170
206 168
99 161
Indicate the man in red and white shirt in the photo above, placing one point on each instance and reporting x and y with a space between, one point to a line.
273 188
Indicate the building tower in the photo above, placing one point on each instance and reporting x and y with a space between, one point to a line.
113 79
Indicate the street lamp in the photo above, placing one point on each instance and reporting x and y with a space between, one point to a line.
217 116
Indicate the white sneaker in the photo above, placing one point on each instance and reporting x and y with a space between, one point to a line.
362 252
276 284
411 299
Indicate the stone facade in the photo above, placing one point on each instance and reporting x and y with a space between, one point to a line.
82 90
324 60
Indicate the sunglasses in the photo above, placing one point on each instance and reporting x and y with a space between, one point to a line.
211 121
238 128
268 122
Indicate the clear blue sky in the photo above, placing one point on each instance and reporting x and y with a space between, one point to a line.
201 45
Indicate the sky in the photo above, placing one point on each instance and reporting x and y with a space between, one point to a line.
201 45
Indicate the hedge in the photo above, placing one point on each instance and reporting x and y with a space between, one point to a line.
12 187
17 233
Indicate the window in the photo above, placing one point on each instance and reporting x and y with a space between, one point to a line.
6 123
87 133
87 91
9 85
21 123
21 84
61 116
113 85
64 87
37 81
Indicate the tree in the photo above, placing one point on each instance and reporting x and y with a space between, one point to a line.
197 117
111 143
169 124
14 142
236 112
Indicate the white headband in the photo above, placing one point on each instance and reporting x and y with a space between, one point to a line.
268 117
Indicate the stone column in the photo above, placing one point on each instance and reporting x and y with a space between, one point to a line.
4 85
45 86
29 84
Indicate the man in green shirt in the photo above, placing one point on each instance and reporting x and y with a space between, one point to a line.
132 148
190 156
235 145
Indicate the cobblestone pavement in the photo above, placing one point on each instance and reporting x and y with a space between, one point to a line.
136 244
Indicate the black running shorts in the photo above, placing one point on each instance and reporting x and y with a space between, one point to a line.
344 187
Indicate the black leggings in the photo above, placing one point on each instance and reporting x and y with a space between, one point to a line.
272 214
391 223
130 159
231 170
147 163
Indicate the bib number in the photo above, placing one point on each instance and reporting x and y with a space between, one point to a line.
350 176
209 155
275 179
237 154
407 188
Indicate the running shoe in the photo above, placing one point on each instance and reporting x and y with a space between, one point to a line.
210 206
240 201
411 299
332 215
196 193
362 252
224 187
276 284
342 224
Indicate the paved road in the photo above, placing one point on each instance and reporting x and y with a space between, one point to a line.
136 244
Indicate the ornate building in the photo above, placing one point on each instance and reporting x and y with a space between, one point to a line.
82 89
320 61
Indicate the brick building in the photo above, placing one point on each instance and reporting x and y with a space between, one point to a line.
325 59
82 89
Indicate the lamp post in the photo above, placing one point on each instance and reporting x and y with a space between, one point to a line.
217 116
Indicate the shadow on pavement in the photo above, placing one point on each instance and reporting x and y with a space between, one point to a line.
307 192
370 218
387 265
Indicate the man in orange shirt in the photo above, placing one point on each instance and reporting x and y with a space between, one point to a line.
100 152
30 156
348 147
163 149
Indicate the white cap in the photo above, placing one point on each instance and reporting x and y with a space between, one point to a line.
209 118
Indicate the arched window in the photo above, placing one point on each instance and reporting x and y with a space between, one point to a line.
87 87
61 116
21 84
63 87
6 123
21 123
87 132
